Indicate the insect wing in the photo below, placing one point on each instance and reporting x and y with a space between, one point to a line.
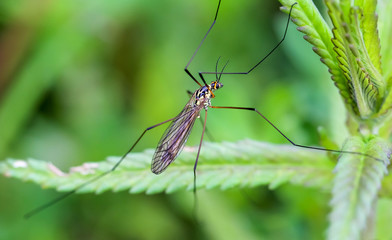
175 137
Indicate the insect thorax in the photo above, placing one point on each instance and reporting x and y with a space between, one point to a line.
203 97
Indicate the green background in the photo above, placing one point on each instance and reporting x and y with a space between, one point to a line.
81 80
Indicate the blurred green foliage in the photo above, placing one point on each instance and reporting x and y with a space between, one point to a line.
80 80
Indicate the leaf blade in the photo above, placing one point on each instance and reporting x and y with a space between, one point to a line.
222 165
355 188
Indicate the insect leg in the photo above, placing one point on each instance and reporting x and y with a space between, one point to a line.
198 153
195 166
60 198
265 57
295 144
197 49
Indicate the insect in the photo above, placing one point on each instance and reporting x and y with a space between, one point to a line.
176 135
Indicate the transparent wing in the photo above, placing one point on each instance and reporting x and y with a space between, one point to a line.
175 137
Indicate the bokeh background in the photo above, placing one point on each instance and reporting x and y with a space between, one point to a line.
80 81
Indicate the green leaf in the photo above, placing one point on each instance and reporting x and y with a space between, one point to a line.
370 32
317 32
357 45
221 165
343 40
355 189
385 26
353 56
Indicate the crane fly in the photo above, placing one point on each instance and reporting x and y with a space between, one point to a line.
176 135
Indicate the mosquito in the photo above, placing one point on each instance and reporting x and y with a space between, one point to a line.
176 135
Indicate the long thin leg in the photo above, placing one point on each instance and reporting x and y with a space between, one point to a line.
197 49
292 142
56 200
197 159
265 57
198 153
